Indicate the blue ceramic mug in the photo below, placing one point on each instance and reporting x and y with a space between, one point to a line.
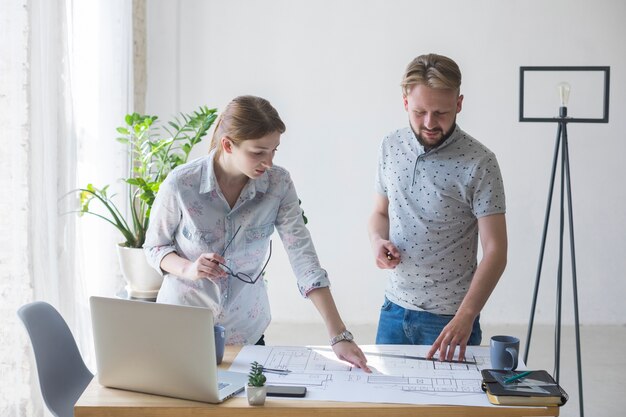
504 352
220 340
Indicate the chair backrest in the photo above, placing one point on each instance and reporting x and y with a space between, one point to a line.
62 373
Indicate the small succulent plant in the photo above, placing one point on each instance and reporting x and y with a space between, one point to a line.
256 377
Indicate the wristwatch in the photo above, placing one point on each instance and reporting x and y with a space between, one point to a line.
345 335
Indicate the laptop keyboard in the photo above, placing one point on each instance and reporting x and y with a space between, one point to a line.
221 385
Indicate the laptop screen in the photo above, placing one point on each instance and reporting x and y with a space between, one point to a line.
157 348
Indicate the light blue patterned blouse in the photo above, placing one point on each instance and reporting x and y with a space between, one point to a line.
190 216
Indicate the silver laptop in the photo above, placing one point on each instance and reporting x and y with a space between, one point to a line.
159 349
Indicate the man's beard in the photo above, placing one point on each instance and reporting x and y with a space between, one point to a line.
444 136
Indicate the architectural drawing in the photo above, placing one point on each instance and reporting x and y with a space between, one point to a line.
395 379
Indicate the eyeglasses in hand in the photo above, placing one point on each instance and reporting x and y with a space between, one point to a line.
241 275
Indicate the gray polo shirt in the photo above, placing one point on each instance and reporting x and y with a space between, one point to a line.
435 198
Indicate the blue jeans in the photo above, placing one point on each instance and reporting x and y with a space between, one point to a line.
399 326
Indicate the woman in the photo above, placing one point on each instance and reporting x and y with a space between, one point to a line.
211 225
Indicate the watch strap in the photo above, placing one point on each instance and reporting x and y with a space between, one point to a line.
345 335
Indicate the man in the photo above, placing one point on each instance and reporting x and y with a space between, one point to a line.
438 190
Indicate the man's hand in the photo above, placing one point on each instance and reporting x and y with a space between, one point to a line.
456 333
386 253
350 352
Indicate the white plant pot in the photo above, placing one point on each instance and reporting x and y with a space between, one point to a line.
141 279
256 395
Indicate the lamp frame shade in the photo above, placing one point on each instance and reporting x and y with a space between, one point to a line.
523 105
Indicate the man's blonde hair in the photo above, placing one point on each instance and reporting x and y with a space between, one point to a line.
246 118
432 70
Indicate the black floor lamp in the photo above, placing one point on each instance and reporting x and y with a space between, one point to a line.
562 147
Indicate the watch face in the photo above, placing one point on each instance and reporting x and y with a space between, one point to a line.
345 335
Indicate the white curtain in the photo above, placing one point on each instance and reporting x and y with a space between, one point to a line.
16 376
66 83
101 51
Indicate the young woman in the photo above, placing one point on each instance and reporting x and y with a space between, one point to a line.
211 224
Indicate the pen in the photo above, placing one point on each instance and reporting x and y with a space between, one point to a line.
516 377
277 371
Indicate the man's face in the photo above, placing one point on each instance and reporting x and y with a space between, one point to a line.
432 112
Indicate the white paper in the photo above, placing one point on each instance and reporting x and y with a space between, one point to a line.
393 380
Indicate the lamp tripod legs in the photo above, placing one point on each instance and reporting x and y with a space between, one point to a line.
561 144
574 278
543 245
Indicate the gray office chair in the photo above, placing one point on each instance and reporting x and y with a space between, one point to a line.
63 375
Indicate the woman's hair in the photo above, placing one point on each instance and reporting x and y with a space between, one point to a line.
246 118
431 70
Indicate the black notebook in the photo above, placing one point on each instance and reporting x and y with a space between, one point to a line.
536 388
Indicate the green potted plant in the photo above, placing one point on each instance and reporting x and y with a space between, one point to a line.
154 151
256 389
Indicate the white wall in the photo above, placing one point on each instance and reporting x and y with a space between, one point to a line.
332 69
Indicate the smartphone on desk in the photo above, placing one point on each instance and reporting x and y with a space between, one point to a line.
285 391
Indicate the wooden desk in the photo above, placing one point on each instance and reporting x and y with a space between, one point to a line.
98 401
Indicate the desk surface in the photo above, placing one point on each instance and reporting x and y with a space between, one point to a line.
98 401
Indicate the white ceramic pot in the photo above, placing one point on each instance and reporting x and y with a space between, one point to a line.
256 395
141 279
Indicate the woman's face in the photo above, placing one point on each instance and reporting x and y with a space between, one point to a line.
254 156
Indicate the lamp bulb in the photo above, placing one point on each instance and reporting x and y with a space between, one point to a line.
564 89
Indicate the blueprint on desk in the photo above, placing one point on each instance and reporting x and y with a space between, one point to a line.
393 379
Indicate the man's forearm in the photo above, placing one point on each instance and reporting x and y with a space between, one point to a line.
378 227
493 238
485 278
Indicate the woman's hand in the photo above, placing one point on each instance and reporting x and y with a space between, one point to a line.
350 352
206 266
